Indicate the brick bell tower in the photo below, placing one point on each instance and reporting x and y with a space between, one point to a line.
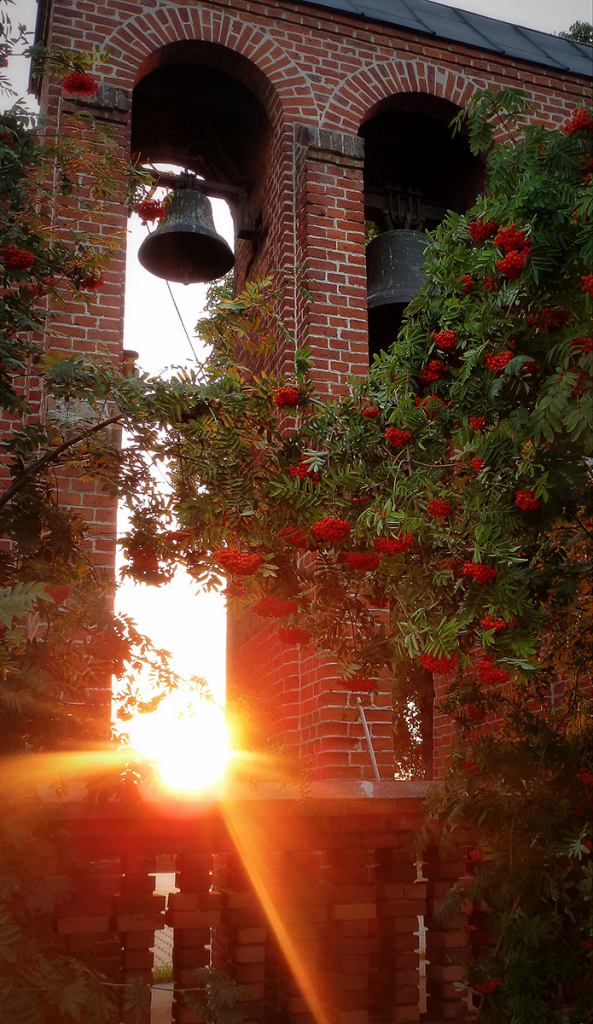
311 118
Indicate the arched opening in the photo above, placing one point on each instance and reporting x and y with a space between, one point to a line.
200 106
415 170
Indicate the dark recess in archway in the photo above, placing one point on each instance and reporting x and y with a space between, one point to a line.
409 145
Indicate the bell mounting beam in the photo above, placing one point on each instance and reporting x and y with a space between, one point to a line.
234 195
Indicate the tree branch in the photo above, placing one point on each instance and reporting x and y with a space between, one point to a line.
52 456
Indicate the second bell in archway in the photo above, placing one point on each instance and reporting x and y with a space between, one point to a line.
394 262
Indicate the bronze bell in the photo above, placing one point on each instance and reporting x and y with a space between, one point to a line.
185 246
394 262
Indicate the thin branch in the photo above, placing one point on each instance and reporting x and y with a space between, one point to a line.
53 456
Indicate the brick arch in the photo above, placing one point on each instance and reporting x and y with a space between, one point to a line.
355 101
137 43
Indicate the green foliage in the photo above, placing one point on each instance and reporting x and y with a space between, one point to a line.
220 995
580 31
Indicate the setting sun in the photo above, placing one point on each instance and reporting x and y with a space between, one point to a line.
187 740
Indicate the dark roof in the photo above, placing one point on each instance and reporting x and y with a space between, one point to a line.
473 30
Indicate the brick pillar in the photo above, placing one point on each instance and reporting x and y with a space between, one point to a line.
192 913
85 924
351 926
243 936
401 899
447 942
139 913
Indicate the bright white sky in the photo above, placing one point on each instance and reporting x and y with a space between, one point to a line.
193 626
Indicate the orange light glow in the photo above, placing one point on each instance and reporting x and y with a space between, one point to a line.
187 740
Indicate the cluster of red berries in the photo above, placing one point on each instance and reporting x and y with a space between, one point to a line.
510 239
303 472
144 560
497 363
431 405
178 535
397 437
527 501
493 622
490 673
477 464
585 776
446 340
295 637
486 988
371 412
468 283
358 684
300 538
479 572
477 422
512 264
471 766
587 943
332 529
586 284
481 230
434 371
273 607
287 396
529 367
80 83
453 564
91 283
476 856
237 563
582 345
581 120
17 259
58 594
394 545
150 210
490 284
432 663
363 561
549 318
438 508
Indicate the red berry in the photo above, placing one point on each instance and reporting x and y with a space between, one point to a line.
581 120
92 282
497 363
471 766
527 501
490 285
303 472
510 239
150 210
287 396
295 637
237 563
358 684
300 538
481 230
446 340
477 422
442 664
468 283
331 529
489 673
493 622
477 856
512 264
59 594
397 437
17 259
486 988
477 464
432 372
479 572
273 607
394 544
362 561
438 508
582 345
431 406
586 284
80 83
370 412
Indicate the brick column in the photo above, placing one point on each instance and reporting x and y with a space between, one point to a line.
139 913
352 917
401 899
192 913
243 928
447 942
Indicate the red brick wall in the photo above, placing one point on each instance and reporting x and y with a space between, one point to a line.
319 74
